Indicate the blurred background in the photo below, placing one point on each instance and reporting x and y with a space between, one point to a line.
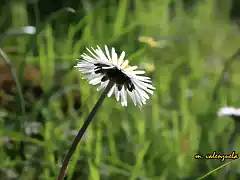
189 48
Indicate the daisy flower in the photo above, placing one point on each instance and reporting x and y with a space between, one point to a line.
103 68
230 111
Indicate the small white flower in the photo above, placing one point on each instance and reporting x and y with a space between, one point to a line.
228 111
104 68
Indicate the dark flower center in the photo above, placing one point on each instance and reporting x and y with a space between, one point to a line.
115 75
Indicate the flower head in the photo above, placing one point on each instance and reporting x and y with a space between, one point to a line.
229 111
234 113
103 68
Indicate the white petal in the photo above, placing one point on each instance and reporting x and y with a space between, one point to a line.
120 60
142 93
114 57
142 87
102 55
86 70
117 94
96 80
109 67
132 96
144 84
111 91
141 100
137 98
143 79
88 59
139 72
123 97
92 54
132 68
89 76
107 52
80 66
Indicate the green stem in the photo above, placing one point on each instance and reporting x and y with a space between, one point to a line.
82 131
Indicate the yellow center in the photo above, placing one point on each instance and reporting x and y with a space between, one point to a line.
126 66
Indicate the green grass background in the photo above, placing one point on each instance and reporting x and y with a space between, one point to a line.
196 44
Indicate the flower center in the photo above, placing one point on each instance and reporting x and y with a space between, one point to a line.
115 75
